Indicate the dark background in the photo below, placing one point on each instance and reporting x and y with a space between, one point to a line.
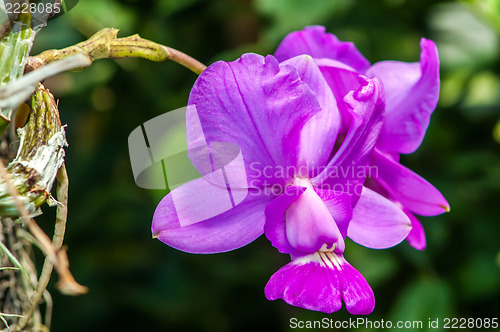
140 284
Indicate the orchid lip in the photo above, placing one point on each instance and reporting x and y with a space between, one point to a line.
321 281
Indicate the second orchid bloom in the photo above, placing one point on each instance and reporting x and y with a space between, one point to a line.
319 132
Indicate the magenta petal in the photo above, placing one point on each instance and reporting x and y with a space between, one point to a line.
325 62
275 227
199 217
408 188
318 282
341 80
366 106
309 224
299 221
416 238
412 92
377 222
368 102
256 104
338 204
356 292
314 41
320 132
307 283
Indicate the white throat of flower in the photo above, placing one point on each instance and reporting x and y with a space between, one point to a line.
325 259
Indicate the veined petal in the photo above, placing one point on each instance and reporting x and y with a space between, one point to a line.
416 238
412 92
366 106
408 188
275 227
356 292
326 62
199 217
256 104
308 283
377 222
313 40
319 282
319 134
368 102
341 79
298 222
339 204
309 224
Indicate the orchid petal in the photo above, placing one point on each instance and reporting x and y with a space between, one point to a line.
318 282
326 62
307 283
341 79
416 238
199 217
368 103
356 292
377 222
275 226
314 41
412 92
366 106
309 224
320 132
338 204
408 188
256 104
298 222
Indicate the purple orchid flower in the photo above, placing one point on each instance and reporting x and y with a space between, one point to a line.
305 136
412 92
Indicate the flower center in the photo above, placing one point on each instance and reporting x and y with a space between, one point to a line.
309 225
325 259
330 260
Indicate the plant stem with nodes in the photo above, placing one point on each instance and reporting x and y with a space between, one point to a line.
105 44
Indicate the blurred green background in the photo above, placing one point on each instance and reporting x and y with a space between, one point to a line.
140 284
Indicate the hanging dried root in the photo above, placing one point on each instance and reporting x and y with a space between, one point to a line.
67 283
25 184
27 181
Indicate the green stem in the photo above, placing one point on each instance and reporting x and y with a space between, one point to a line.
186 61
105 44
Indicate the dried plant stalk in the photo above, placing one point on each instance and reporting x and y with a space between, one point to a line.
67 283
25 185
40 154
26 182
